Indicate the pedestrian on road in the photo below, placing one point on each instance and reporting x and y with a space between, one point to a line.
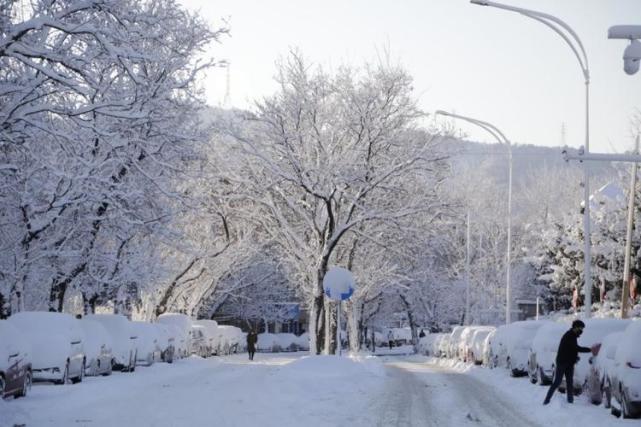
252 338
422 334
566 356
390 339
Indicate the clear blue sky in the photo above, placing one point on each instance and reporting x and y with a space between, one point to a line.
482 62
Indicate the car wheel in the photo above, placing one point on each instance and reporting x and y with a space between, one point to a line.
607 391
79 378
627 409
26 385
533 377
65 375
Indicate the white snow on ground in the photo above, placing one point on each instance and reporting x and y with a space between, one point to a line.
286 389
274 390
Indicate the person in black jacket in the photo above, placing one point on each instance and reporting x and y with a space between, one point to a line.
252 338
566 357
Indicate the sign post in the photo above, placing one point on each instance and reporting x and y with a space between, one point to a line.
338 285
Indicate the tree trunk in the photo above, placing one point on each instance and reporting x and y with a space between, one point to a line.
354 324
316 325
330 327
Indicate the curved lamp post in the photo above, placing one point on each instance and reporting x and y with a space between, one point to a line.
498 135
572 39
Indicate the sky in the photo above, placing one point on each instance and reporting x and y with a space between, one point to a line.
481 62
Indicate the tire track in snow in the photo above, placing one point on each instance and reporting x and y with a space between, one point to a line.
418 394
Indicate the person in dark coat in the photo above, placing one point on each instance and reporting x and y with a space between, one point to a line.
252 338
566 356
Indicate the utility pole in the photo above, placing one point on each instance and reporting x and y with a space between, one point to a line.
625 295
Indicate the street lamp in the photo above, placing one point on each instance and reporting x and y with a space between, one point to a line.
572 39
498 135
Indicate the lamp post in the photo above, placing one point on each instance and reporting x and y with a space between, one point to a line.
572 39
498 135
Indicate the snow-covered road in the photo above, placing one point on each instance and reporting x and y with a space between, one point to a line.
283 390
419 394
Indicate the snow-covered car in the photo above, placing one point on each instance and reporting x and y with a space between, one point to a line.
625 379
198 341
97 345
167 339
453 342
444 345
477 344
147 343
594 332
210 330
517 343
602 366
56 344
487 349
542 355
183 324
123 340
15 365
231 339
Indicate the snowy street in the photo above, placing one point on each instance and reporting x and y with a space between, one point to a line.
292 390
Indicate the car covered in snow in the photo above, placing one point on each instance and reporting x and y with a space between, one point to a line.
55 340
594 332
198 341
453 342
476 346
97 345
542 354
183 324
15 365
625 378
210 331
517 341
148 346
602 368
123 339
167 338
231 339
487 349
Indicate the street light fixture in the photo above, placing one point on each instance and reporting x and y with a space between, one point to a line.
632 53
572 40
498 135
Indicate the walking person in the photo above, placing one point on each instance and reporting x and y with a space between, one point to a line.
566 357
252 338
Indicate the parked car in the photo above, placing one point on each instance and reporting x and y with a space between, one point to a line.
97 345
183 324
210 331
487 350
56 343
147 343
594 333
601 369
15 364
625 379
477 344
230 339
542 355
453 342
517 342
123 339
167 341
198 341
